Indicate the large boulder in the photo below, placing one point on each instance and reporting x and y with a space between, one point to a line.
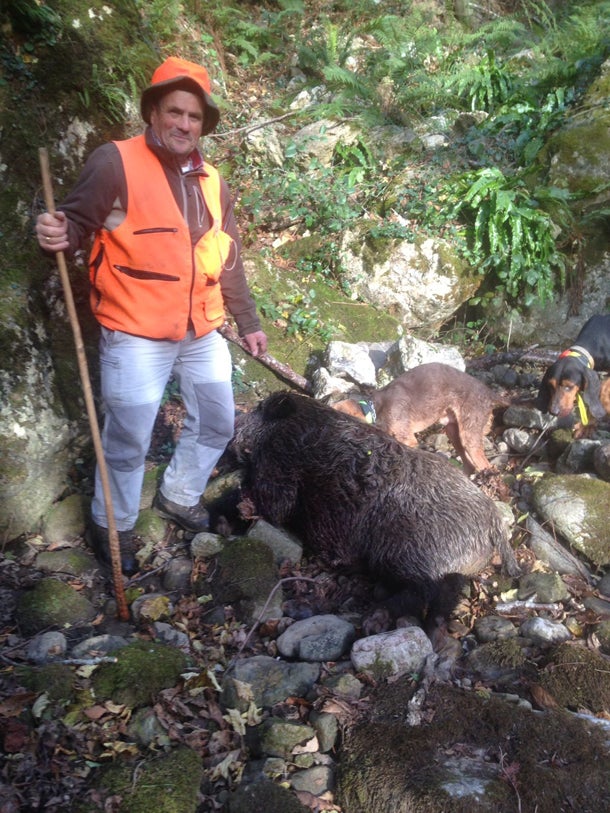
423 281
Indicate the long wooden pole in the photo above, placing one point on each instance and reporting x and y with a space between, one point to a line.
115 551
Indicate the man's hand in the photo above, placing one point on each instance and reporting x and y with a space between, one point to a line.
256 342
52 231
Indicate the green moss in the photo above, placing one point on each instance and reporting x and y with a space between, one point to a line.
558 761
164 784
586 525
578 678
265 796
56 679
51 603
142 670
506 653
244 576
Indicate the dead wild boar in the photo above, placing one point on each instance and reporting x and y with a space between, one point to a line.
360 499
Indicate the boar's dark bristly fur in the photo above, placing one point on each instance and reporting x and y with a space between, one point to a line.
359 498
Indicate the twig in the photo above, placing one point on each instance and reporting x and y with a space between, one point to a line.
262 612
249 128
509 774
89 661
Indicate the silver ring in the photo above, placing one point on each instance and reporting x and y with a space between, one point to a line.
48 239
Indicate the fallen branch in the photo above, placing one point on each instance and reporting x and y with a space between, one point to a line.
283 371
529 354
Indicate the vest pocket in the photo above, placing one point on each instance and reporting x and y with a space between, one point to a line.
138 273
211 253
213 306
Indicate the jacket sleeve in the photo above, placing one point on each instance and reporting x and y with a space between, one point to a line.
235 291
99 187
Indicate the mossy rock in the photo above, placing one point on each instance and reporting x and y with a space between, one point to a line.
164 784
150 526
462 759
264 796
244 577
74 561
578 678
577 507
142 670
51 603
56 679
65 521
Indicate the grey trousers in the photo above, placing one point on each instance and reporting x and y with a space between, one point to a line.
134 374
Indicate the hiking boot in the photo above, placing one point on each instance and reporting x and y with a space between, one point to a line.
193 518
101 545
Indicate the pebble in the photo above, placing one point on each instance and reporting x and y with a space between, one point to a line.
544 632
397 652
47 647
319 638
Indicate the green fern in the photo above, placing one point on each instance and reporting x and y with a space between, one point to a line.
484 86
513 238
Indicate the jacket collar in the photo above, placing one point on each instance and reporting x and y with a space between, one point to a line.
195 161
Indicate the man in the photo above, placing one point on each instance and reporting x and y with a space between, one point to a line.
164 265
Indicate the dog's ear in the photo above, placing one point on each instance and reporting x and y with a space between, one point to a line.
543 398
591 394
280 405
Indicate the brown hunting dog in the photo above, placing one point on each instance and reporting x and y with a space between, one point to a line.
431 394
573 376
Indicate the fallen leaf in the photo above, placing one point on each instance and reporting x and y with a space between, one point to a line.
95 712
15 738
316 803
542 698
114 708
13 706
223 768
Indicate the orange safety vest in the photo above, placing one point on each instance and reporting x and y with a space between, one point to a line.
146 276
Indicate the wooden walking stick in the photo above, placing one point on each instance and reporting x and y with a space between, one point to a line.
115 551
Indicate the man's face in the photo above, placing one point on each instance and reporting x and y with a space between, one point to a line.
177 120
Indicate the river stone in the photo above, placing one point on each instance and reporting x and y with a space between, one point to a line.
320 638
397 652
601 461
547 587
264 681
544 632
493 628
73 561
283 738
284 545
52 603
48 646
577 507
65 520
550 550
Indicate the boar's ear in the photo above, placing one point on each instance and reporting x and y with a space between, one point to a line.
278 406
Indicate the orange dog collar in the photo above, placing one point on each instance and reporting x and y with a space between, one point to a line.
579 353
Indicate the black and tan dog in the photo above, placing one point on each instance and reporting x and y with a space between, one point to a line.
573 379
360 499
432 393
